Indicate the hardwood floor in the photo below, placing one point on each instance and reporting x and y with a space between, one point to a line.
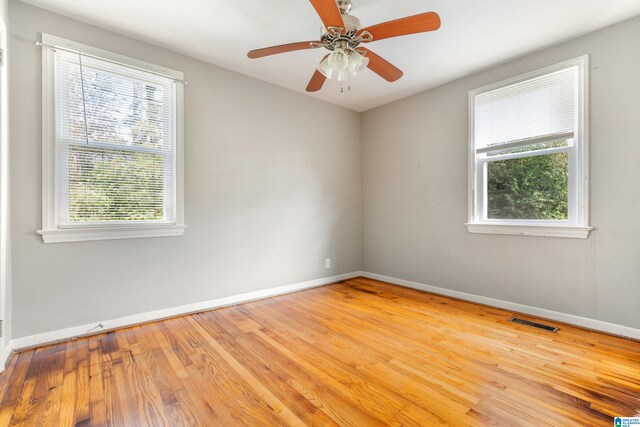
359 353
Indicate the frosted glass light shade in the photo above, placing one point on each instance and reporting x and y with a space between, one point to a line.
357 63
339 59
326 69
343 75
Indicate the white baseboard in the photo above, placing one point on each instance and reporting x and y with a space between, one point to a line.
136 319
585 322
6 354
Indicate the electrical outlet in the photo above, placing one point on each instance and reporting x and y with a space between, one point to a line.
327 263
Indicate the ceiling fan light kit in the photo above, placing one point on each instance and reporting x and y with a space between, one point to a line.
343 64
342 34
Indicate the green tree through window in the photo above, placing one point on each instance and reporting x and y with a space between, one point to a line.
529 188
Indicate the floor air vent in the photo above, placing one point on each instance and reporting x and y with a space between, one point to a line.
534 324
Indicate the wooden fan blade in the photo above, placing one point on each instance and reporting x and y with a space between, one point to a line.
382 67
283 48
317 80
328 12
422 23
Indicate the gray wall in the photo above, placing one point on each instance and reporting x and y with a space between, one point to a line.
415 193
272 186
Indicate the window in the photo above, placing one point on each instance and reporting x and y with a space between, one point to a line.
112 146
528 154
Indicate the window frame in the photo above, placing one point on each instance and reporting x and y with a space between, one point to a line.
577 225
52 231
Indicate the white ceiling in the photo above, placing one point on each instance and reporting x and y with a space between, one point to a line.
474 34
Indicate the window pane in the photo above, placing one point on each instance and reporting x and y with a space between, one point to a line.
116 142
115 185
123 111
529 188
69 101
121 105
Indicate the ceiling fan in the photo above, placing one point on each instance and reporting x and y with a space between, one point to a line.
343 35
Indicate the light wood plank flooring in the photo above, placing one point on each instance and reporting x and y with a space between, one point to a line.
360 353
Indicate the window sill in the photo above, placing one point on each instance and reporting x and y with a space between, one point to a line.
61 235
531 230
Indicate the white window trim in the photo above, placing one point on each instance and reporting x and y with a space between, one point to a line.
579 229
51 231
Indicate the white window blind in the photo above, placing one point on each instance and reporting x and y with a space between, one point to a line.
544 106
115 143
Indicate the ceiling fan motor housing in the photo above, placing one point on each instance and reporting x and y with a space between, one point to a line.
351 22
331 39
